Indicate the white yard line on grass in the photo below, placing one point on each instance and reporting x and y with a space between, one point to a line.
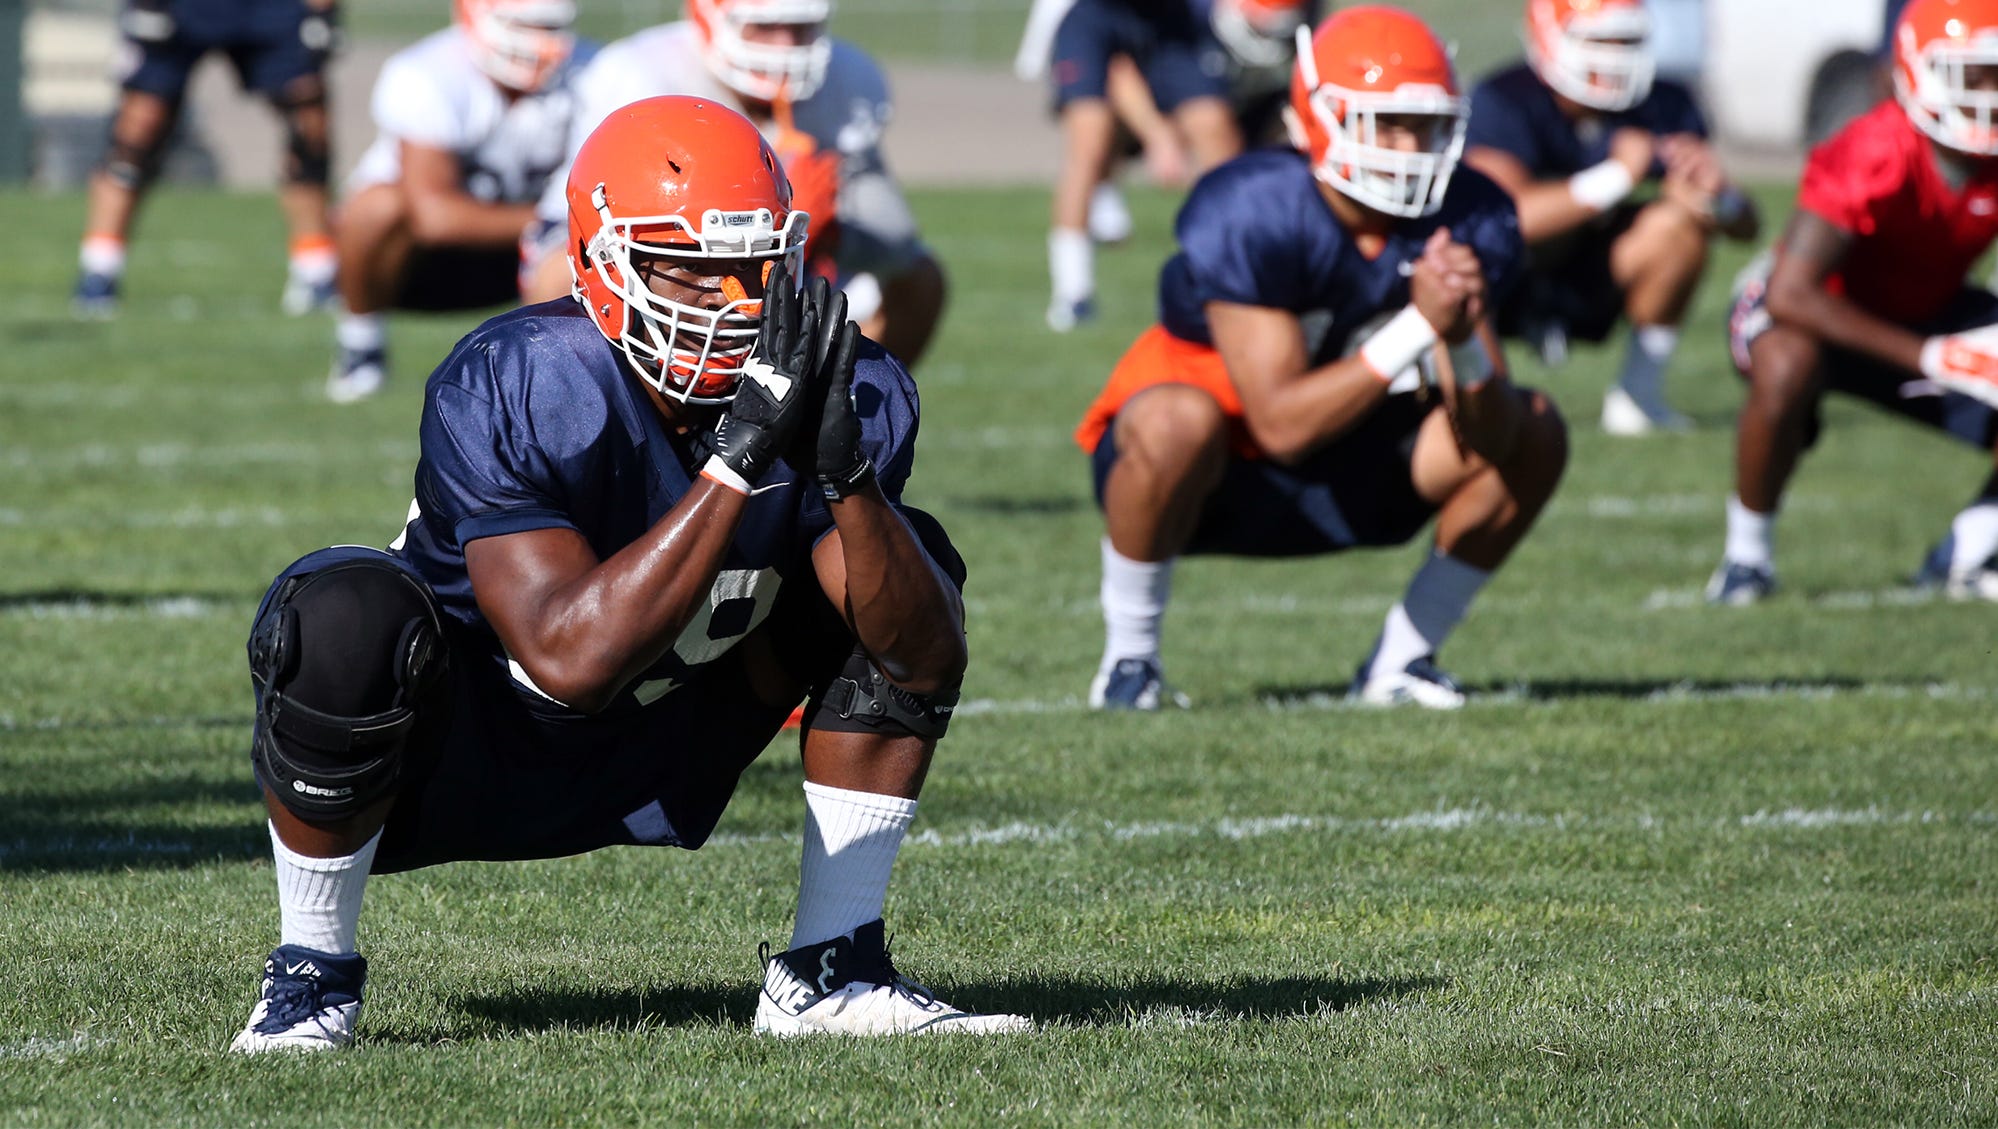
52 1049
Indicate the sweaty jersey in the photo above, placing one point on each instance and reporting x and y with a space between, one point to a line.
846 115
433 94
1257 231
1914 235
1513 111
535 422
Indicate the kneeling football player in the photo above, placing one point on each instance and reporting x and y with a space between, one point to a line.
1278 407
648 522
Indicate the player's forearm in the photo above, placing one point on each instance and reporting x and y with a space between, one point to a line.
1548 209
902 608
446 219
1292 421
1837 321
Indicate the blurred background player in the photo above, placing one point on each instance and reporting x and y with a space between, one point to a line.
1575 133
472 121
1184 69
824 104
652 520
1866 292
1280 406
279 49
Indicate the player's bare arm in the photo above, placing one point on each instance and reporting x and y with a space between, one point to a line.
1552 207
443 214
1291 409
1812 249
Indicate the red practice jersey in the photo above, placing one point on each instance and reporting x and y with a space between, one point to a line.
1914 236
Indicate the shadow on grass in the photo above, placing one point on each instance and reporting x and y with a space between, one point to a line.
1008 506
1069 1002
77 832
1320 695
106 598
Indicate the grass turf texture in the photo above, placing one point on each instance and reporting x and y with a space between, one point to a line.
1675 864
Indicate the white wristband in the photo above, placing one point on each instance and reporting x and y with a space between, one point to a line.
1471 364
725 474
1932 358
1398 344
1602 187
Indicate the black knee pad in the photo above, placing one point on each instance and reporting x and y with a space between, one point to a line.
347 661
307 161
135 166
860 699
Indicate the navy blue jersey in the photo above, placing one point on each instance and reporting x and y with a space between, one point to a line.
535 422
1513 111
1258 231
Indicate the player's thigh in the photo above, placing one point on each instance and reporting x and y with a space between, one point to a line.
1442 463
1660 235
1171 428
1079 64
1183 66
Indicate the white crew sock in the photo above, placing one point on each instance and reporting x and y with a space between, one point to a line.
1643 376
319 900
1751 537
102 254
1438 595
315 264
361 333
1071 264
1976 533
851 839
1134 596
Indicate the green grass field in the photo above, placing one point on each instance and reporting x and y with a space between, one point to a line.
1674 865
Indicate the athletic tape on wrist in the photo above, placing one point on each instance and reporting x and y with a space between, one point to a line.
1398 344
1602 187
726 475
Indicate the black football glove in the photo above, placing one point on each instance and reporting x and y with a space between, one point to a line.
842 465
779 386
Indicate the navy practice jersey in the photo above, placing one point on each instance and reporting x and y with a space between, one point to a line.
1513 111
1258 231
535 421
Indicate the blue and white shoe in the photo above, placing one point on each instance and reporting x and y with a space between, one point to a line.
1735 585
1420 683
849 986
1134 684
1961 585
304 295
357 374
310 1002
1933 572
1064 315
96 296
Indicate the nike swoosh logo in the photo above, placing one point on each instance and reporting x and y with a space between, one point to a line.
767 488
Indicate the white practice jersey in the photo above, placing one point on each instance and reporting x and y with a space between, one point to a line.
847 114
432 94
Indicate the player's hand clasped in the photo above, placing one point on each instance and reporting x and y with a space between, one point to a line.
780 387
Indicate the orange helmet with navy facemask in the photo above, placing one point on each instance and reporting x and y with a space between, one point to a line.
1936 43
682 179
1362 65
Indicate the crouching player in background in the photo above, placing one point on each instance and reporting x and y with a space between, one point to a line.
1280 408
1866 294
648 521
473 121
1579 133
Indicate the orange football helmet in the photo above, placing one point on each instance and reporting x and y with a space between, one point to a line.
1362 65
687 179
1596 52
764 71
1259 33
519 44
1935 45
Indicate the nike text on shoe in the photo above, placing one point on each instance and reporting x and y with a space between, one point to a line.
1419 683
1134 684
310 1002
849 986
357 374
1623 415
96 296
1738 585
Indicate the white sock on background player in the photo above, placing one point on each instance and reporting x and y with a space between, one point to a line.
851 840
361 333
1751 537
319 900
1134 596
1071 264
1976 532
1438 595
102 254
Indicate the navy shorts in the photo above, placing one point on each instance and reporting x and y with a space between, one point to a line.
499 774
1356 492
1175 51
1885 386
460 278
262 38
1567 282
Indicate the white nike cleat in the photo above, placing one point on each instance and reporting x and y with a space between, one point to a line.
1420 683
1970 585
1623 415
849 986
356 375
310 1002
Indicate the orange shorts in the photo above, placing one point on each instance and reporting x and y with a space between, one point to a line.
1157 357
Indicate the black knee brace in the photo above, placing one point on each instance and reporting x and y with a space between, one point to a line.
346 661
308 160
860 699
134 166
